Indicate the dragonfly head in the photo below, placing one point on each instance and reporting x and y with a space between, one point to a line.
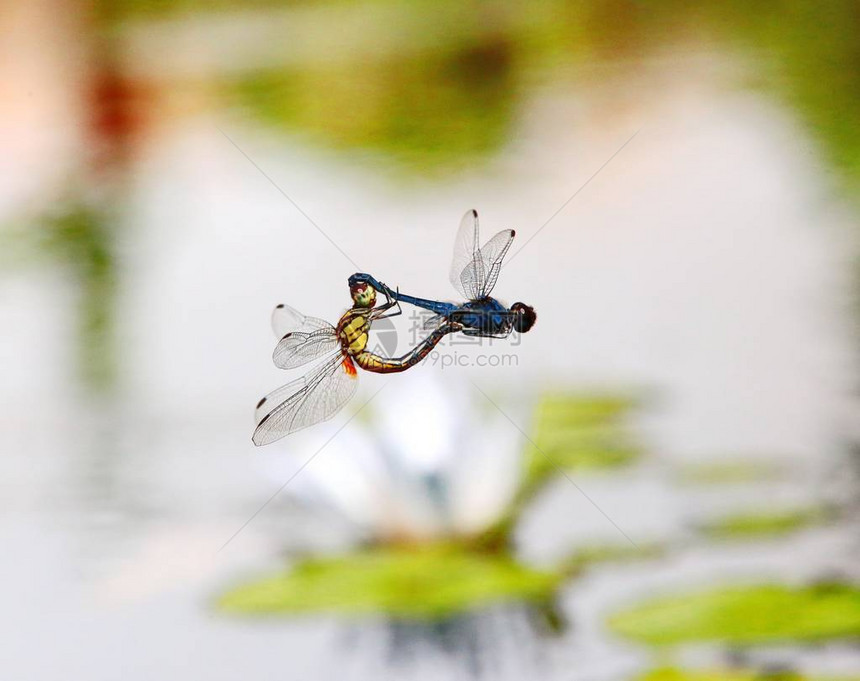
363 295
525 317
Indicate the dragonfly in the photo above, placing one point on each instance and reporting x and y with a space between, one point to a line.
474 273
323 391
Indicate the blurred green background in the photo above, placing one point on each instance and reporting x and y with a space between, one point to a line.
660 481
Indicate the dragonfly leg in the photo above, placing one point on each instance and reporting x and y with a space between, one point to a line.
393 314
387 305
397 301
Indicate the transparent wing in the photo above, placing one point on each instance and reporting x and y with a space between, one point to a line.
309 400
475 270
491 256
433 321
465 253
300 347
286 319
274 398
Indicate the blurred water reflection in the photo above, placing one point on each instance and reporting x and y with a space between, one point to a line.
710 262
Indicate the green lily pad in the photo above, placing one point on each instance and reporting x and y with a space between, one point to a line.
674 674
589 556
765 523
728 472
580 432
578 409
745 615
426 582
577 457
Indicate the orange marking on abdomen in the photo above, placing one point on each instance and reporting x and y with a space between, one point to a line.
348 366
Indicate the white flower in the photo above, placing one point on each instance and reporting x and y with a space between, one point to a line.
431 463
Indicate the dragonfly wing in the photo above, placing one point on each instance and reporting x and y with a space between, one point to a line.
466 252
491 256
286 319
309 400
300 347
433 321
278 395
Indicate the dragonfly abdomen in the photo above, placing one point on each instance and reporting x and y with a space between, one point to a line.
384 365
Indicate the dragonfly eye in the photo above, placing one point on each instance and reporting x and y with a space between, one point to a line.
526 317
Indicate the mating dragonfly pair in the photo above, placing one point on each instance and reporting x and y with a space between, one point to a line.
321 393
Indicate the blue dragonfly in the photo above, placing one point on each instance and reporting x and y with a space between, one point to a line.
474 272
